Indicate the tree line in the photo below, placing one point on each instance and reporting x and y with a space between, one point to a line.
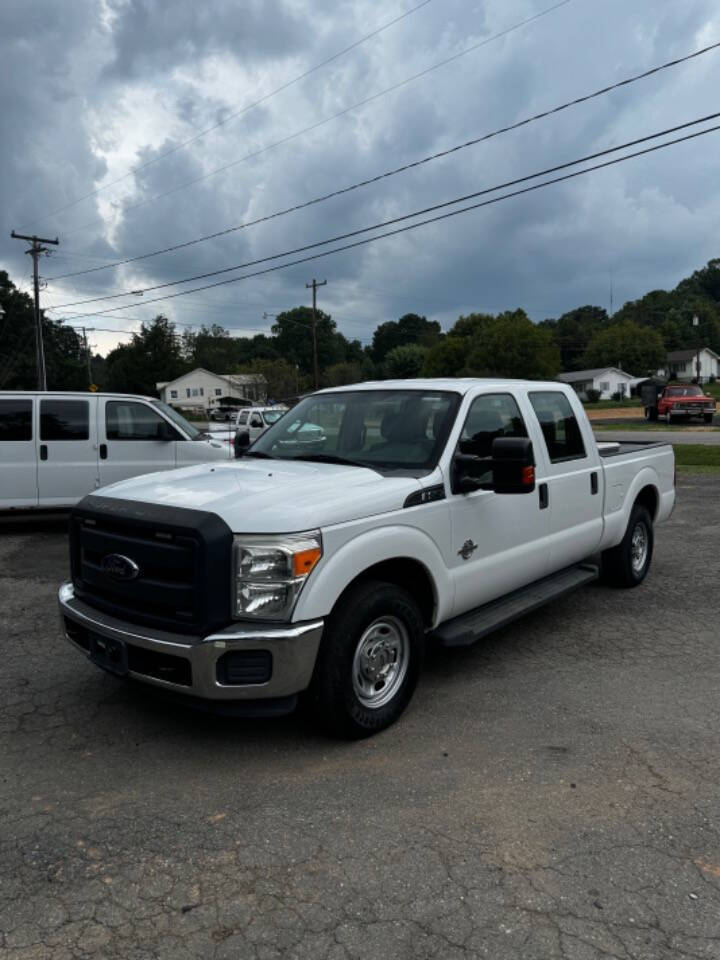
636 338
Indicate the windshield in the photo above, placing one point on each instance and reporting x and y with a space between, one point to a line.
684 392
383 429
179 419
272 416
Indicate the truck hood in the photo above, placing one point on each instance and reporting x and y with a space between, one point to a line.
271 496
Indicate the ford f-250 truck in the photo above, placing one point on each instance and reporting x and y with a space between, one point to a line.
366 519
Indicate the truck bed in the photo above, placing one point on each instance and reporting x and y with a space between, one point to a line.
616 448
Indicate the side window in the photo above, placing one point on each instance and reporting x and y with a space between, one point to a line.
559 426
243 418
131 421
173 394
218 392
15 420
64 420
490 416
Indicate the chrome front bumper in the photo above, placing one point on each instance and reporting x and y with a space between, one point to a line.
293 648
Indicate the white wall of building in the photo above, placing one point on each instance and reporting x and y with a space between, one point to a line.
686 371
200 388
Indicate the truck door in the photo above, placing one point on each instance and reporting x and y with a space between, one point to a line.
67 449
499 541
132 440
18 454
574 480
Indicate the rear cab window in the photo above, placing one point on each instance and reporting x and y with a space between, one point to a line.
64 420
491 415
559 425
15 420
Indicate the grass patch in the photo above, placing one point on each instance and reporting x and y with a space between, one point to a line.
694 458
614 404
648 427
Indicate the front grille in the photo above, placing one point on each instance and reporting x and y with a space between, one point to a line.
183 559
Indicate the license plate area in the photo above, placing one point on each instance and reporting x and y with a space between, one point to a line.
108 653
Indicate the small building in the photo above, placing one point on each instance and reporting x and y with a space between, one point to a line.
606 380
202 390
681 365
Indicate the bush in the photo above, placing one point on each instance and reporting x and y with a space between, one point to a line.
618 395
593 395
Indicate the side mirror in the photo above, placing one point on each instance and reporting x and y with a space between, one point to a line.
468 471
165 432
242 442
513 465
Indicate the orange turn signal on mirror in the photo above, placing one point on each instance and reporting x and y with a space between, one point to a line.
528 476
305 560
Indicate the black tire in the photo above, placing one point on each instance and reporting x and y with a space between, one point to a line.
333 693
619 565
651 413
708 418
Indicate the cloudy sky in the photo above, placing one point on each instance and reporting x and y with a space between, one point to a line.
99 98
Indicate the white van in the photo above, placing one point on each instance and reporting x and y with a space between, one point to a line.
55 447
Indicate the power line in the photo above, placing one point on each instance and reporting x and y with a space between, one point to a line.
394 220
436 219
237 113
335 116
402 169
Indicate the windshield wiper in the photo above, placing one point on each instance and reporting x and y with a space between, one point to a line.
259 454
328 458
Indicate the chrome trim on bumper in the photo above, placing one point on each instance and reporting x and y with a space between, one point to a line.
293 646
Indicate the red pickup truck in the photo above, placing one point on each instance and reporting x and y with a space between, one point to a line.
677 401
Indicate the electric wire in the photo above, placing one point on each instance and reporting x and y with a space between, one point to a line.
393 220
237 113
402 169
334 116
435 219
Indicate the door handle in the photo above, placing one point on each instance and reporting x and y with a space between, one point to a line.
43 451
593 483
544 496
103 451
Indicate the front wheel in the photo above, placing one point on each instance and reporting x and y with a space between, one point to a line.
369 661
708 418
627 564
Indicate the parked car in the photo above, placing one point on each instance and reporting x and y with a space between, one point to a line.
56 447
224 413
448 507
250 422
677 401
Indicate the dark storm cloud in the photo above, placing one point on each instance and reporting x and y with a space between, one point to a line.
131 81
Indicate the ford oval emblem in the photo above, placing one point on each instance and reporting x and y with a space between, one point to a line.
118 567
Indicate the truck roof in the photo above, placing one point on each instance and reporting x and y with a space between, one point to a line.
455 384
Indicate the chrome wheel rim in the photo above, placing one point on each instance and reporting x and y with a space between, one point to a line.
639 547
380 662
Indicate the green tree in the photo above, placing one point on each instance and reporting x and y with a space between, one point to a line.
153 355
410 328
573 331
446 358
635 349
281 376
292 339
65 359
405 361
511 345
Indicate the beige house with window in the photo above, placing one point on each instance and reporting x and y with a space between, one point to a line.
202 390
681 365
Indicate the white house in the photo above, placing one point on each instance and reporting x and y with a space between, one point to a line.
200 389
608 380
681 365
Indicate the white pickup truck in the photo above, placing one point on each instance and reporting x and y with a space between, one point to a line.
365 520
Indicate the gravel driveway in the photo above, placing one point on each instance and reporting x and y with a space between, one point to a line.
553 792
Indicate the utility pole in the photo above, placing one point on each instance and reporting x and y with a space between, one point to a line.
696 324
85 332
35 250
315 284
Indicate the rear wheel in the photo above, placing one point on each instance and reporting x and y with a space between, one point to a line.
708 418
369 661
627 564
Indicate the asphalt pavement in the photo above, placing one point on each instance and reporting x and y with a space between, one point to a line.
551 793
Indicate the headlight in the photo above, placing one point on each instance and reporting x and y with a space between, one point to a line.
270 573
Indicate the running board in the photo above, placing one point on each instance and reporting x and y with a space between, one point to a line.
466 629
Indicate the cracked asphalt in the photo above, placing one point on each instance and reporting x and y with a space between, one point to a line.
552 792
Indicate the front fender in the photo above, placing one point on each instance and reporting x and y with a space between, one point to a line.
343 565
